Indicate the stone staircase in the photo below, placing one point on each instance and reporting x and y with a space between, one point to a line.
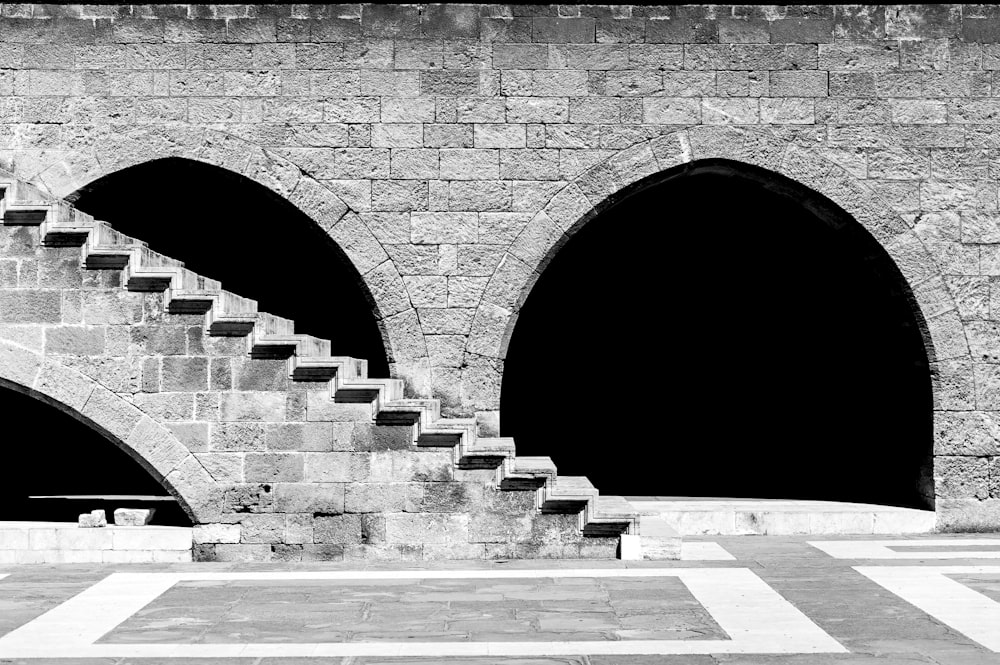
309 359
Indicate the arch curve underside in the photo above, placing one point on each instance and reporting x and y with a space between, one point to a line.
775 336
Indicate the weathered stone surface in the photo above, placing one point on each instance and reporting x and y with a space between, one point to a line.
450 153
133 516
961 477
427 528
93 519
64 385
156 444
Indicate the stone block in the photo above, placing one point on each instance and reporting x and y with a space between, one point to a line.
112 413
316 498
801 31
877 56
440 497
427 528
313 437
337 529
629 548
253 406
74 340
183 374
77 540
224 468
671 110
255 374
962 477
520 56
968 515
93 519
262 528
552 30
155 444
383 497
420 465
975 433
236 437
322 408
29 306
335 467
104 307
443 227
63 385
537 109
273 467
133 516
404 195
449 136
469 163
450 83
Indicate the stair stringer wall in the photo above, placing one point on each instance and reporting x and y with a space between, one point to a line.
270 468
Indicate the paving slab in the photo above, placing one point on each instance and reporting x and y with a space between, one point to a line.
824 608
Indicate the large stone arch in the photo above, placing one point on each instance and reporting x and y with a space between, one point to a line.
581 199
63 172
145 440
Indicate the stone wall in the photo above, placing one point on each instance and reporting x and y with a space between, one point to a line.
450 149
266 467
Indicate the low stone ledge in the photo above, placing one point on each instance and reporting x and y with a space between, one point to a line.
65 542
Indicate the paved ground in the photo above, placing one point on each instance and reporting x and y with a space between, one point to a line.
733 600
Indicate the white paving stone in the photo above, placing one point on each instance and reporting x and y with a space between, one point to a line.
704 551
880 549
757 618
969 612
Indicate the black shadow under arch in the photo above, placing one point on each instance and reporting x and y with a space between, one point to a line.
59 455
227 227
722 331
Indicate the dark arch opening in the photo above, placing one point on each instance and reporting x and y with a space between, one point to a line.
58 455
230 228
722 331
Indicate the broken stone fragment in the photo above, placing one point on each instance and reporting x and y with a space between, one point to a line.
133 516
93 519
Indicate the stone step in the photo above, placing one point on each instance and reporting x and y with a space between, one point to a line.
410 411
308 357
611 516
568 494
724 516
234 316
24 204
107 248
150 271
487 453
524 473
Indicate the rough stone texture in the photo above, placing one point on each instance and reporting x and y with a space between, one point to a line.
447 149
95 519
268 468
133 516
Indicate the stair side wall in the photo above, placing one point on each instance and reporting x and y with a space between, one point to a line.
295 475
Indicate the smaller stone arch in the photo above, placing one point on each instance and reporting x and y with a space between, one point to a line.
646 163
62 173
146 441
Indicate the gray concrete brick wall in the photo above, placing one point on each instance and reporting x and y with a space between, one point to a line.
449 148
